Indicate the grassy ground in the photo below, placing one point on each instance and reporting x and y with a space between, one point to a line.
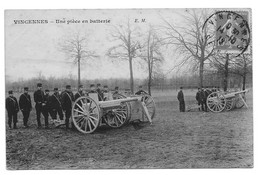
175 140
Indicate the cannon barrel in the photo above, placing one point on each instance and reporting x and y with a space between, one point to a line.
118 102
233 94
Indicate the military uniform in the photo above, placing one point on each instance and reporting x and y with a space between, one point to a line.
204 100
181 101
100 94
39 101
46 109
56 107
12 109
199 99
67 101
25 106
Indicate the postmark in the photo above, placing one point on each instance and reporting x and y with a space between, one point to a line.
231 31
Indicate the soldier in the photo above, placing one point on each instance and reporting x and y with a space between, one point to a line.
25 106
116 90
55 103
199 99
12 109
79 93
39 102
140 91
99 91
67 101
46 108
181 100
105 91
204 99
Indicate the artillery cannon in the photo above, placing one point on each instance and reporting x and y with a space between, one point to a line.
219 101
88 113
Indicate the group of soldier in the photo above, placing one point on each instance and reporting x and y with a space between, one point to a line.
201 97
48 105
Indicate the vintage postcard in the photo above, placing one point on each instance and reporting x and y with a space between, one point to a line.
128 89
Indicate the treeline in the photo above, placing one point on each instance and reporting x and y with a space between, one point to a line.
160 82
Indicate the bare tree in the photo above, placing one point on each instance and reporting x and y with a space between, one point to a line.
242 66
153 56
76 48
126 49
193 44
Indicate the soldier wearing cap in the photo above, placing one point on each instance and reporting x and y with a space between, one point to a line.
46 108
67 101
12 109
116 90
180 97
25 104
55 103
39 103
99 91
140 91
105 90
79 93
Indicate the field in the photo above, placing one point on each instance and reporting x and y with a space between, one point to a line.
174 140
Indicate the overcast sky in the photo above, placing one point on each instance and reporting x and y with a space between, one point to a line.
33 48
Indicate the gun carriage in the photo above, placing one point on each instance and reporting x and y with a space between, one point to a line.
88 113
219 101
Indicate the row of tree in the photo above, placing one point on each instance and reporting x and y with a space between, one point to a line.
193 46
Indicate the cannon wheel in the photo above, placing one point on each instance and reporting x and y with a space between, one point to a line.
118 116
229 104
239 103
86 115
150 105
216 102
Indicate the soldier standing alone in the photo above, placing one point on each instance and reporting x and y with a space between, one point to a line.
67 101
181 100
12 109
39 102
25 106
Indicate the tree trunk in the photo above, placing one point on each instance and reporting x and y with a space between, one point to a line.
78 71
201 73
149 65
225 82
244 82
131 75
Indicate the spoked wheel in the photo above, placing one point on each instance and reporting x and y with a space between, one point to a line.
238 101
86 115
150 105
229 104
118 116
216 102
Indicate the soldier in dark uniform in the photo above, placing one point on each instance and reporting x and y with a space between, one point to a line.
46 108
199 99
105 90
99 91
25 106
12 108
181 100
55 103
204 99
140 91
79 93
39 102
116 90
67 101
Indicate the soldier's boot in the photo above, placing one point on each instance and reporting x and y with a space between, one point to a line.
15 127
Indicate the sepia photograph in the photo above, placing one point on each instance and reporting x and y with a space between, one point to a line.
158 88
